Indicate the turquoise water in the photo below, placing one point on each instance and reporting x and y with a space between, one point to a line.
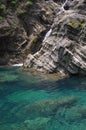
30 102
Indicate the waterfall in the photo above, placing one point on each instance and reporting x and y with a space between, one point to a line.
65 3
47 34
62 9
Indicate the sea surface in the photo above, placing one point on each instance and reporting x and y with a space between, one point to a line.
31 102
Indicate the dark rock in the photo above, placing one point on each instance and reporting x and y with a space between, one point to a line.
12 37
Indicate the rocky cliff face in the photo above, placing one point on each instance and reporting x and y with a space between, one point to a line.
64 50
52 33
12 38
23 25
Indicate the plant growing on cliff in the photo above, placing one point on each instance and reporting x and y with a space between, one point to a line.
2 10
77 24
23 7
14 3
28 2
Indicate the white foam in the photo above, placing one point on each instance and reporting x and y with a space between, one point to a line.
47 34
18 65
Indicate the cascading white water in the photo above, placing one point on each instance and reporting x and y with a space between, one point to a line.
65 3
47 34
62 9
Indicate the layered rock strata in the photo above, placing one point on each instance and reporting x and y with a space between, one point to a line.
64 50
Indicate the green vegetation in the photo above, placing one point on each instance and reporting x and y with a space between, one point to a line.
77 24
2 10
22 8
35 40
14 3
18 5
28 3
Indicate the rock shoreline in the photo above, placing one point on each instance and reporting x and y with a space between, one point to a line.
46 76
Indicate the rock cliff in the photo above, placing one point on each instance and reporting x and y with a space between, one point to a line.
64 50
47 35
23 24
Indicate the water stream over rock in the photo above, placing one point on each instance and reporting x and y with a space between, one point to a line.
62 9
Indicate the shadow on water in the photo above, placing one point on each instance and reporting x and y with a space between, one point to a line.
76 83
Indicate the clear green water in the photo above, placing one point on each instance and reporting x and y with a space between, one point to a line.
29 102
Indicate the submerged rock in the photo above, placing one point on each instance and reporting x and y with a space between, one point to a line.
75 114
14 126
48 107
39 123
72 117
64 50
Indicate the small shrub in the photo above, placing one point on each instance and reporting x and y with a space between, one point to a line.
14 3
35 40
2 10
73 24
76 24
81 24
